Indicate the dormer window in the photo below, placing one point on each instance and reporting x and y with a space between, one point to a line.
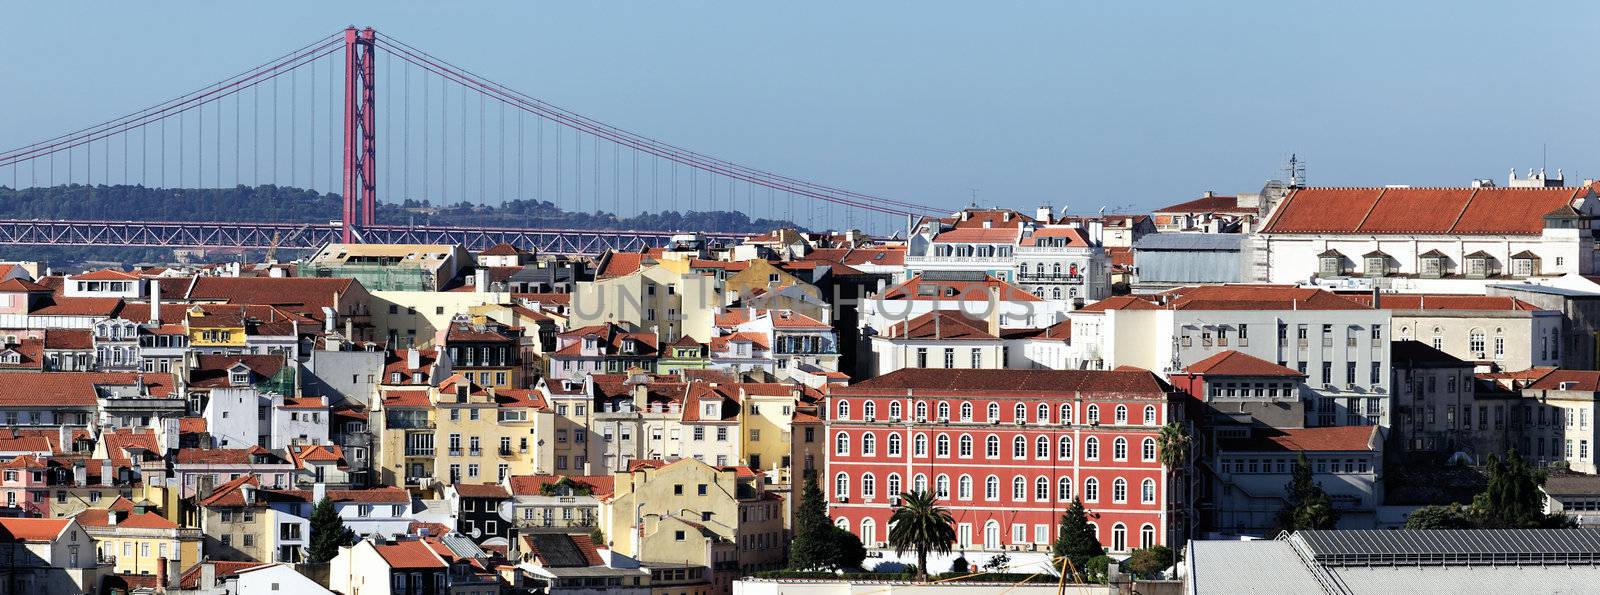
461 391
1434 264
1330 264
1375 263
1480 265
1524 264
10 357
239 376
394 378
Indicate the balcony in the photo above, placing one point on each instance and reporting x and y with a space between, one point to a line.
419 451
408 424
475 452
1035 277
506 452
455 452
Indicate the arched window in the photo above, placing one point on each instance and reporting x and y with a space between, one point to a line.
1121 414
893 484
1020 412
1041 489
1147 535
920 483
1148 449
920 445
991 488
1066 413
1041 448
991 535
894 445
964 448
994 412
1147 491
841 444
869 486
1094 414
841 486
941 446
1119 449
1039 268
964 487
1149 415
1043 414
869 531
869 410
869 444
1064 490
966 412
1091 448
941 487
991 446
944 411
922 410
1019 448
1119 537
1475 342
1091 490
1119 490
1055 269
844 409
1065 449
1055 292
843 523
894 410
1019 489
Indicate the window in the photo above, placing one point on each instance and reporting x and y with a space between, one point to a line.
869 444
1119 537
1476 342
1149 415
1065 448
993 412
1041 489
941 446
1147 491
1119 490
1066 413
1119 449
964 488
991 488
894 410
977 358
944 411
869 410
844 409
1121 414
1043 414
1041 448
841 444
893 484
869 486
894 445
1091 448
1094 414
964 447
1019 448
949 357
1091 490
1147 535
920 445
966 412
841 486
941 487
1019 489
991 446
922 357
1148 449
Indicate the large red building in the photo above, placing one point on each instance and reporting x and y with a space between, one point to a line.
1005 451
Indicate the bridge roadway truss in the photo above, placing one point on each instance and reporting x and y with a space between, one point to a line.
312 236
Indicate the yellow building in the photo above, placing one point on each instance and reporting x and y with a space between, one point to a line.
488 434
139 540
653 298
216 327
690 512
402 423
417 318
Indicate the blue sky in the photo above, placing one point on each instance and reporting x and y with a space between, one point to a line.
1077 104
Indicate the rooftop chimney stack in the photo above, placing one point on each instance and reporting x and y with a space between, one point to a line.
155 301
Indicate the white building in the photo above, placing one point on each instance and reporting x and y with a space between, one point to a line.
301 420
976 295
1342 346
1055 261
1250 475
1426 240
1495 332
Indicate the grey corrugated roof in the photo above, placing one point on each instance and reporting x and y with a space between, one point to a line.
1425 546
1546 289
1461 580
462 546
1265 566
1190 241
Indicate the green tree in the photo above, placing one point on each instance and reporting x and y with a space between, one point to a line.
1149 561
327 533
1076 540
813 534
1306 505
1172 443
1511 500
845 549
922 525
1449 516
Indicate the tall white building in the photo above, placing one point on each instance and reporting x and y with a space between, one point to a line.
1059 261
1341 346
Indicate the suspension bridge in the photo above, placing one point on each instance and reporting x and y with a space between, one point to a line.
374 120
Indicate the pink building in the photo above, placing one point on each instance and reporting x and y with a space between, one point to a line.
24 485
1005 451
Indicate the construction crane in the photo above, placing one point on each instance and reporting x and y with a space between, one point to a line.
272 249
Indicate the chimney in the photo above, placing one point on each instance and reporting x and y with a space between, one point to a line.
276 272
413 358
64 438
155 301
80 474
1377 298
161 574
1045 214
106 474
319 491
208 576
481 278
994 310
111 515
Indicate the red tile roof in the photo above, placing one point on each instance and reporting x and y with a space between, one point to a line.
993 235
105 275
13 530
1255 297
212 371
190 579
302 295
1413 301
76 389
30 353
65 338
99 517
1582 380
21 286
410 554
520 397
1074 236
528 485
481 490
501 249
917 288
942 325
1234 363
1444 211
411 397
888 256
105 307
1208 204
1336 438
1132 382
1120 302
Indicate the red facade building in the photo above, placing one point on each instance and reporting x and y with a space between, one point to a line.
1005 451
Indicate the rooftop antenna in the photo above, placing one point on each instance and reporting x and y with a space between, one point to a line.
974 192
1296 170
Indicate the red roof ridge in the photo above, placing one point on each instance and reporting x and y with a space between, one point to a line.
1372 208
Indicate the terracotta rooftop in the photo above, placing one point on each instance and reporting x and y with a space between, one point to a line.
1234 363
1413 301
1336 438
919 288
942 325
410 555
1208 204
35 530
1131 382
1441 211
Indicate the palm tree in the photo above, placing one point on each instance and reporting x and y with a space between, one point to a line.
1173 442
921 524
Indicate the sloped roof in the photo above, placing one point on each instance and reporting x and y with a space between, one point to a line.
303 295
410 554
1208 204
942 325
1256 297
1131 382
920 288
31 530
1444 211
75 389
1234 363
1420 301
1335 438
